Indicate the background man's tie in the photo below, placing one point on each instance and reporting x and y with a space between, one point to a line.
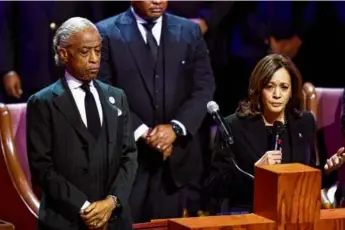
151 41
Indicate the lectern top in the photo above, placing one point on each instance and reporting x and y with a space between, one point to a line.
288 168
222 221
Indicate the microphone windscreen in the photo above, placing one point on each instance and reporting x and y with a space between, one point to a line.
278 127
212 107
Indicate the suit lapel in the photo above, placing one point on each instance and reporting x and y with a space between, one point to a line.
171 36
110 114
132 36
110 110
255 135
66 105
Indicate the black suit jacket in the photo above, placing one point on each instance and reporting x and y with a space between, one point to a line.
250 143
59 147
188 79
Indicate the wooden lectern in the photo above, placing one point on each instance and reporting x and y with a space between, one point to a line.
287 197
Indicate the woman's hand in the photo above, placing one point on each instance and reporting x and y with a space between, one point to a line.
270 158
335 161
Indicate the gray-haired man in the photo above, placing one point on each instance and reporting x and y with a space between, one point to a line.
80 145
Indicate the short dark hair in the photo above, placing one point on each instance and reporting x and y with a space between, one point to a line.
261 76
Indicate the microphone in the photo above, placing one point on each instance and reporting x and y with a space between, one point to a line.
213 110
278 129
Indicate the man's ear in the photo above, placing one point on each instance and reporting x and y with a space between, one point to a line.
63 54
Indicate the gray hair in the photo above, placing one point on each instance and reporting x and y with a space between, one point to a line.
65 31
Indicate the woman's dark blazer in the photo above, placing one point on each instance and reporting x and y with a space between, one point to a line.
250 143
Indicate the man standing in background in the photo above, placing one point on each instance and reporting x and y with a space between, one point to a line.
161 62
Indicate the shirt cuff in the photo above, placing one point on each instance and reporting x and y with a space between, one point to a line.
85 205
140 131
184 131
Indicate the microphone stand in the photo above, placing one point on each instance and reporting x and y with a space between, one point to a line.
227 144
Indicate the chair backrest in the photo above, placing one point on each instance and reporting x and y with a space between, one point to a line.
13 148
326 104
18 118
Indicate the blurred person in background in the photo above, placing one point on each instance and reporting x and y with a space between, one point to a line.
26 32
248 32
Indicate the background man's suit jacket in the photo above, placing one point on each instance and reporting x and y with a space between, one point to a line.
188 81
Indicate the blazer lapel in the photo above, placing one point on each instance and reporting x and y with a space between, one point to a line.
132 36
66 105
255 134
110 110
296 139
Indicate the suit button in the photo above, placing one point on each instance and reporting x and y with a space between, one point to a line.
85 171
157 106
52 25
157 91
157 76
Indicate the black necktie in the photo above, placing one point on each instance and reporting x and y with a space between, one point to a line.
151 41
92 116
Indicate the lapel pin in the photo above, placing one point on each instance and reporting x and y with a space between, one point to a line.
300 135
112 100
183 62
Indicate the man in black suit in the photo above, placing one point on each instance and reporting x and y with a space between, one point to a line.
161 62
80 143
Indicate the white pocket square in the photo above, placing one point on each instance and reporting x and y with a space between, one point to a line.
119 112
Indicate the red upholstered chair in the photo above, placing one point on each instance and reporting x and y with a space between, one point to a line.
325 103
18 203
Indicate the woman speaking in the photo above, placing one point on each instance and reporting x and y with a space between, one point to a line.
269 127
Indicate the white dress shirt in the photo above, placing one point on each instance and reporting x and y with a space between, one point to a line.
156 31
79 97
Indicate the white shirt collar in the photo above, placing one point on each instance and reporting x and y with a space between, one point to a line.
141 20
74 83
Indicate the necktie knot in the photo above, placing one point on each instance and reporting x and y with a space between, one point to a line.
149 25
86 87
